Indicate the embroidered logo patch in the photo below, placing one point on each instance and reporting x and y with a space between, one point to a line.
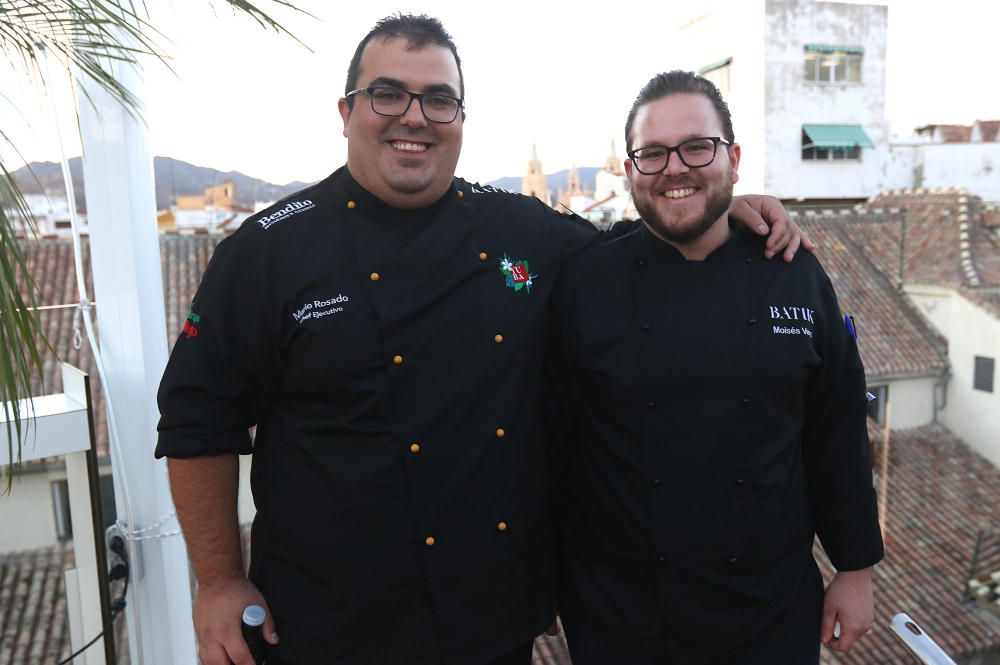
517 273
190 326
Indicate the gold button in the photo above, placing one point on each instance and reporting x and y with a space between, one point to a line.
429 541
414 447
500 433
398 360
498 339
461 193
501 526
351 205
374 277
483 256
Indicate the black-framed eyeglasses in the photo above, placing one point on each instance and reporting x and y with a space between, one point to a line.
395 102
694 153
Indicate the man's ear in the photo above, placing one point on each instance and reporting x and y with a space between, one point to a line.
345 113
734 160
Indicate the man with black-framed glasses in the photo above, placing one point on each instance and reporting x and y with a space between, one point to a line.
384 330
393 102
709 417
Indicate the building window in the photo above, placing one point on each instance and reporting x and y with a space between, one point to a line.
833 64
876 407
811 151
834 142
983 374
718 73
60 510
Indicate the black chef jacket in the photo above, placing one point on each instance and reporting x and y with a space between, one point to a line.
391 361
712 418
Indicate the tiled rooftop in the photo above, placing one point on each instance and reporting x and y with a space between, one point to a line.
940 495
990 129
948 133
34 624
894 339
50 261
945 236
33 621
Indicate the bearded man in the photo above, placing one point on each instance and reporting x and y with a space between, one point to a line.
709 412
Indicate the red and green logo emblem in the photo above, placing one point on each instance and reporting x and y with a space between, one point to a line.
517 273
190 326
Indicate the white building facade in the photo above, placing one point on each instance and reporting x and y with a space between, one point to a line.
805 81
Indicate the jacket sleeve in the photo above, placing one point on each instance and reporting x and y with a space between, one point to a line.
836 451
217 377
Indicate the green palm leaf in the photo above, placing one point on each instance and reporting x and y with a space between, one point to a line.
84 37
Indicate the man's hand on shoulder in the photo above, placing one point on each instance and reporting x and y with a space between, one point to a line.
758 212
848 602
218 616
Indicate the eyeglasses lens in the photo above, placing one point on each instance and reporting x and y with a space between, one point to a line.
695 153
392 102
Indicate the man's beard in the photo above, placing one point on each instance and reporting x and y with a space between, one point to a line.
719 199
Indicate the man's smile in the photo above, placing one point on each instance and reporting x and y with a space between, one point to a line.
680 193
408 146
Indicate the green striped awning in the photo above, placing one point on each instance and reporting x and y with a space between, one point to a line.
837 136
715 65
832 48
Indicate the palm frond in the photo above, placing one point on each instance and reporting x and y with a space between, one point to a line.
20 330
85 38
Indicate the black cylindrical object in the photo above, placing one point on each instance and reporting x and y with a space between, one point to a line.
253 631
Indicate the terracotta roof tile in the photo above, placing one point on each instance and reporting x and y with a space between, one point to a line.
945 237
50 261
940 495
34 624
894 338
948 133
34 627
990 129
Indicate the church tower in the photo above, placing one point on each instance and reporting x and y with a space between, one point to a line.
613 164
611 179
534 182
573 188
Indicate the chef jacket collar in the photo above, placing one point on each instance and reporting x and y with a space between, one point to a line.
740 246
372 206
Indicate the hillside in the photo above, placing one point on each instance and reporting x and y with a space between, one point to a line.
173 178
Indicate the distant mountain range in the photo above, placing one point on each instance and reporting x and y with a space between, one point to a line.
556 180
173 178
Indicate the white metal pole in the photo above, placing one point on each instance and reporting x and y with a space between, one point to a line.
125 255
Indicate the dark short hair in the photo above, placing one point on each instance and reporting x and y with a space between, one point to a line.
418 30
675 82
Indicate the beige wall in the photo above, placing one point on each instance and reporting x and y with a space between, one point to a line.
973 415
911 402
26 513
